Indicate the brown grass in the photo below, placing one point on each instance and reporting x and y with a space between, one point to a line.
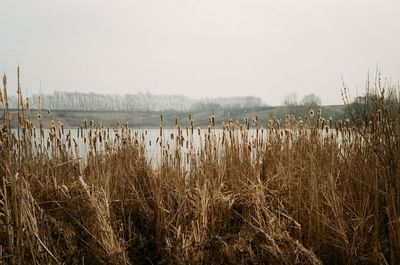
298 192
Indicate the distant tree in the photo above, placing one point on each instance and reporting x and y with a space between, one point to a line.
290 100
363 107
310 100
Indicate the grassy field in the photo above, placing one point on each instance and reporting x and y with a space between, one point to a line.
148 119
309 191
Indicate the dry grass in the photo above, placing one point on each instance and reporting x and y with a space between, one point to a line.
302 192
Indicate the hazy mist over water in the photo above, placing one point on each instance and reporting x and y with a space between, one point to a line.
200 48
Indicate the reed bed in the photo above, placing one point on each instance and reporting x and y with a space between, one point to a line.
299 191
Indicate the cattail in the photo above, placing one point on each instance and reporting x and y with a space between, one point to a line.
161 118
4 82
28 105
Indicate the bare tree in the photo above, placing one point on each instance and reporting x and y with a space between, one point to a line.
310 100
290 100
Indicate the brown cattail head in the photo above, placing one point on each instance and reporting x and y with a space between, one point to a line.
4 81
18 83
323 123
379 113
28 105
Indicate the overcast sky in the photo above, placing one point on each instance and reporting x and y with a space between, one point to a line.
200 48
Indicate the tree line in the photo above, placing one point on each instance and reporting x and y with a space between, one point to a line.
134 102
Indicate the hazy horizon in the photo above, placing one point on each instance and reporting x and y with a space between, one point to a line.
200 49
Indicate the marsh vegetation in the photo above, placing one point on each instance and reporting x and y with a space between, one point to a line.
301 191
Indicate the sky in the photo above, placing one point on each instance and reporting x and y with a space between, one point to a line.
200 48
